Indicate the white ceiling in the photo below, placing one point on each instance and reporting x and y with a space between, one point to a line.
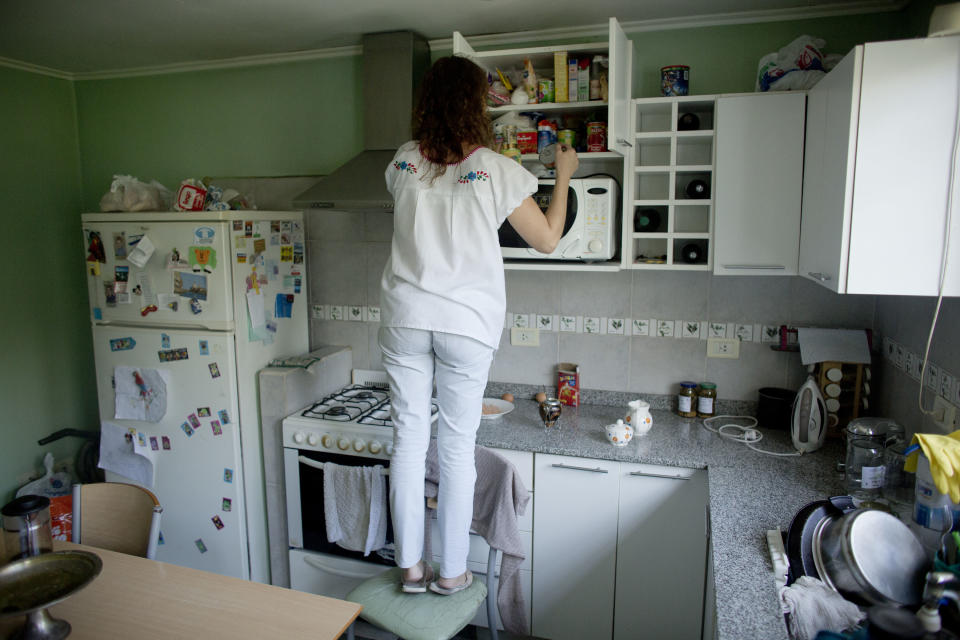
92 36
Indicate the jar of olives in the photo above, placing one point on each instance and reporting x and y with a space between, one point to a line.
687 399
706 400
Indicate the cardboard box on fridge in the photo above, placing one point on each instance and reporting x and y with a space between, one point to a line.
568 383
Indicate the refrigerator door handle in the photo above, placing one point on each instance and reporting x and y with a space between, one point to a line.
185 327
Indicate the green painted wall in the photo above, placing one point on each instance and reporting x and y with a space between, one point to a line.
271 120
47 381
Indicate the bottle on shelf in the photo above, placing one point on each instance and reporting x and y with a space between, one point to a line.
693 253
698 189
688 122
646 220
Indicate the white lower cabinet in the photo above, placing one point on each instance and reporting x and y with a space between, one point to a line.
619 550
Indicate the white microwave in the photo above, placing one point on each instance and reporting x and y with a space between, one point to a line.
589 233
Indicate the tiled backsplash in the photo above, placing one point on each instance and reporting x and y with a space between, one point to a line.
937 378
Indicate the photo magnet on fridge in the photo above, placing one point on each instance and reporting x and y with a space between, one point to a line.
194 421
165 440
203 412
217 429
202 547
95 252
187 430
119 244
227 504
202 259
204 348
224 416
93 268
238 225
217 522
214 370
154 444
172 355
122 344
228 475
164 341
204 235
190 285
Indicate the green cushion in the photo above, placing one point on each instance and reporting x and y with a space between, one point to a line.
416 616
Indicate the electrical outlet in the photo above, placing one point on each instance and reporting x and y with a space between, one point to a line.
525 337
944 413
723 348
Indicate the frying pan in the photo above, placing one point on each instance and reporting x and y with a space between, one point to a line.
800 533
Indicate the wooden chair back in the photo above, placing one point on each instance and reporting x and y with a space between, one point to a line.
116 516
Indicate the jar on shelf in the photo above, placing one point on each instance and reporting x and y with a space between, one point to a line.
687 400
707 400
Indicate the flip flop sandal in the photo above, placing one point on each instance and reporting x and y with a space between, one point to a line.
417 586
444 591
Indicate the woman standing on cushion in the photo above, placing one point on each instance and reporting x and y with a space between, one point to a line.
443 302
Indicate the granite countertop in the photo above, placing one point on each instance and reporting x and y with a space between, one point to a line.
749 492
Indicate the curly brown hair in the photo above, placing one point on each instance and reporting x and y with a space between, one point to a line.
451 112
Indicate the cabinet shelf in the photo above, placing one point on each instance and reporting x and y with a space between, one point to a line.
586 155
549 106
557 265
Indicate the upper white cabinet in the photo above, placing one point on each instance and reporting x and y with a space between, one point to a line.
881 129
614 110
757 183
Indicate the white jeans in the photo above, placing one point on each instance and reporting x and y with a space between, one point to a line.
412 357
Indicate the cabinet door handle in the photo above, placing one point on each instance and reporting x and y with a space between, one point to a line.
560 465
624 142
658 475
746 267
822 277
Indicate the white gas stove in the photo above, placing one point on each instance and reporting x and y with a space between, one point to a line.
354 421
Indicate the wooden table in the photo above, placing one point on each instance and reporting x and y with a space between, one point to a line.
139 598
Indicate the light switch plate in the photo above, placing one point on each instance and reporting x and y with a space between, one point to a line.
944 413
723 348
524 337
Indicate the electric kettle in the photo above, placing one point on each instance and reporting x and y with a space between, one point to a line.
809 423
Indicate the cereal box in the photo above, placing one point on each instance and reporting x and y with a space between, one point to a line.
568 383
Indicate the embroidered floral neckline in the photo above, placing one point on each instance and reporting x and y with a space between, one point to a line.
403 165
478 175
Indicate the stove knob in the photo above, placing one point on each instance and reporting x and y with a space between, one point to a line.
374 447
312 439
327 441
298 437
358 445
343 444
389 449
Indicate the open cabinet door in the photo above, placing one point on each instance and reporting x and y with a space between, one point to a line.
460 46
619 88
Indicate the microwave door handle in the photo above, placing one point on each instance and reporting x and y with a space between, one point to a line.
573 245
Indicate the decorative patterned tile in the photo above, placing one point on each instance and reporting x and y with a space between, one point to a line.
335 312
946 384
640 327
771 333
545 322
744 332
691 328
664 328
318 312
718 329
568 324
900 357
932 380
615 326
373 314
355 314
521 320
591 325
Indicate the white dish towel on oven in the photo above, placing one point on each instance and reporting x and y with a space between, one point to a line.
355 506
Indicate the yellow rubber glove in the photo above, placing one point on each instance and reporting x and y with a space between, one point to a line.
943 453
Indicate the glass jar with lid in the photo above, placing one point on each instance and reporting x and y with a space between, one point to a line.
687 399
707 400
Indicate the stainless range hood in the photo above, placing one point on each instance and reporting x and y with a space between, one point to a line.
393 65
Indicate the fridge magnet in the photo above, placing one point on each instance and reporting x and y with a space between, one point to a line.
259 245
284 305
154 444
274 226
217 429
93 268
190 285
286 253
227 504
193 420
172 355
187 429
240 242
123 298
168 301
109 294
165 440
296 228
119 244
241 258
202 547
202 259
203 412
122 344
176 261
238 225
217 522
224 416
164 341
95 252
214 370
296 284
285 238
248 228
141 253
285 226
160 537
228 475
274 239
204 348
195 307
141 438
297 254
97 313
204 235
121 275
138 290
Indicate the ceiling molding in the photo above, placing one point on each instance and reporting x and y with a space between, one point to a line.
489 40
34 68
665 24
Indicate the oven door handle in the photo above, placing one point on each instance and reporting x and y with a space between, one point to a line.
317 563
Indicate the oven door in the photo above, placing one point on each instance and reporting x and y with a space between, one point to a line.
306 524
513 246
329 575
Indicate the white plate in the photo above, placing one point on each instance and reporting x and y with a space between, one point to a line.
502 408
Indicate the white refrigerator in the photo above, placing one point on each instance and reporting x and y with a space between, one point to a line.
186 308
